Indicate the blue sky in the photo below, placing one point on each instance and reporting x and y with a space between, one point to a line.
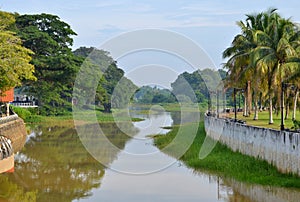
210 23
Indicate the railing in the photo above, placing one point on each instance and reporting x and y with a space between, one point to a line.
24 104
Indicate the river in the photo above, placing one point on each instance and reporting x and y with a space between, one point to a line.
55 166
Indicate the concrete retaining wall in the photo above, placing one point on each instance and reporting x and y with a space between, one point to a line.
13 128
279 148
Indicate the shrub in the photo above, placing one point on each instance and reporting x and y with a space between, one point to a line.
22 112
296 124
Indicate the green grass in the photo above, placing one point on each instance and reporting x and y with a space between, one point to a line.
225 162
263 120
29 117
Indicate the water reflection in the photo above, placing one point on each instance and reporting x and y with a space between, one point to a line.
54 166
176 183
185 117
252 192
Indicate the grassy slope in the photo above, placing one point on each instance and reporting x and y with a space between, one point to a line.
30 117
227 163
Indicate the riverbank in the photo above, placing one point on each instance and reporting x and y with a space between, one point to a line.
226 163
31 117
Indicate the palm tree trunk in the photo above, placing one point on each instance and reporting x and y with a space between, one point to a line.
255 109
287 110
245 105
295 104
270 97
260 102
270 111
249 98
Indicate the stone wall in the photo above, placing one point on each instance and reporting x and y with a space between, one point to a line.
279 148
13 128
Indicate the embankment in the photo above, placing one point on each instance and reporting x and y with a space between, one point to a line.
13 127
279 148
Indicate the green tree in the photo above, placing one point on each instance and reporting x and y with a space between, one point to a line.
276 52
266 51
147 94
238 64
116 93
55 64
113 90
198 85
15 59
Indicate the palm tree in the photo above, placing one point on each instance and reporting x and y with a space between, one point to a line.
239 64
275 47
267 51
295 79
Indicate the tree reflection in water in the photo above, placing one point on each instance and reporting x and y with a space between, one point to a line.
55 166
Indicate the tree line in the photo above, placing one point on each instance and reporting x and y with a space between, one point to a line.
37 56
45 67
263 61
188 87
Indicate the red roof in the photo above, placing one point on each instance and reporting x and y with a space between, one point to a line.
8 96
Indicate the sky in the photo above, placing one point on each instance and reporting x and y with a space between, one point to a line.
211 24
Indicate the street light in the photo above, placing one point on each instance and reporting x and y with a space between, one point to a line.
210 95
239 100
281 105
235 90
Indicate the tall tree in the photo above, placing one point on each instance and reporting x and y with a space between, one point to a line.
14 63
266 49
56 66
276 52
112 89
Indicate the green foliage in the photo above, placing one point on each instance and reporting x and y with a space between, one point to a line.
296 124
27 114
196 85
14 63
265 53
22 112
113 90
123 93
148 95
99 58
55 64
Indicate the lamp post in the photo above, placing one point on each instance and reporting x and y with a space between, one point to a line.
282 104
235 90
239 100
234 100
